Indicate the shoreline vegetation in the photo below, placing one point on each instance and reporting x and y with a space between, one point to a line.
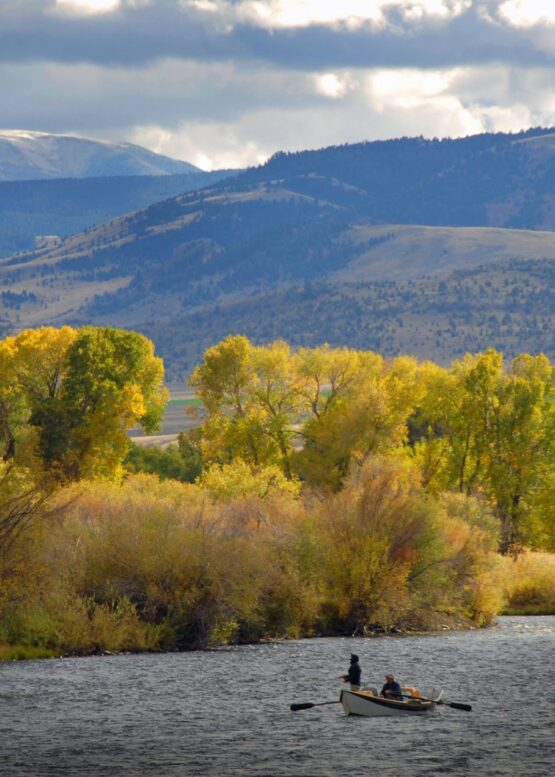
325 492
442 625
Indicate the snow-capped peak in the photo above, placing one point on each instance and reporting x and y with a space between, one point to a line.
30 154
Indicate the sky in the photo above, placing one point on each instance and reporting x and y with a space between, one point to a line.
227 83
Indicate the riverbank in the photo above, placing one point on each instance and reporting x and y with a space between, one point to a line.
26 653
529 611
529 584
438 623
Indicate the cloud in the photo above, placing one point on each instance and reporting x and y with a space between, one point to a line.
86 7
350 14
335 86
361 105
527 13
81 98
228 82
305 33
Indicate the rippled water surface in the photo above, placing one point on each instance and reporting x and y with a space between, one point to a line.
226 712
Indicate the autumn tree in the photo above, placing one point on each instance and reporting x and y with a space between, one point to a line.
113 381
224 383
252 399
33 366
489 431
477 427
520 452
70 395
363 410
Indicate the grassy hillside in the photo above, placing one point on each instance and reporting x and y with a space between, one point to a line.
507 305
321 231
66 206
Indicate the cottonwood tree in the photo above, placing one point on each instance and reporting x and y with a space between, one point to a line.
68 396
112 382
364 413
32 368
252 398
489 432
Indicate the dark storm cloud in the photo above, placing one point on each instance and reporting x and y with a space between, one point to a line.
50 97
467 40
131 36
137 35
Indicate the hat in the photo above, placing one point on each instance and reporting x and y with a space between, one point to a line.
353 658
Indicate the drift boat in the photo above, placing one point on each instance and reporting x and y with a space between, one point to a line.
369 704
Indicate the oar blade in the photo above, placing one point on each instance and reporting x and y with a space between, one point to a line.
307 705
457 706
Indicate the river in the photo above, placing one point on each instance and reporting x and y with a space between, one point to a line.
226 712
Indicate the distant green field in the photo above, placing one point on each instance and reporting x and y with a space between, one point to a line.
192 402
176 418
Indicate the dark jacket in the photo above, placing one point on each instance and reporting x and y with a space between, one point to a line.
392 691
354 673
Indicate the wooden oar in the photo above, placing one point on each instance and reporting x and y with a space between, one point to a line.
453 704
307 705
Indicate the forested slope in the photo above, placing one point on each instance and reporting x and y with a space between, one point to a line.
411 213
65 206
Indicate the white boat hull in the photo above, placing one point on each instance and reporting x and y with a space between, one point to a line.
372 706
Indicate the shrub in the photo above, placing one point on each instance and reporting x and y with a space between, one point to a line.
529 584
166 463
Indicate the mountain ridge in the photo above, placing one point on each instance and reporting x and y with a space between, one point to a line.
32 155
66 206
338 223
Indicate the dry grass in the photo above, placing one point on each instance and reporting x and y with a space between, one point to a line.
529 584
416 251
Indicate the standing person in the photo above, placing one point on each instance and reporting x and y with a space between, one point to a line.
391 689
353 675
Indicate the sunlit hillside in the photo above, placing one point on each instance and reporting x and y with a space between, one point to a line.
458 230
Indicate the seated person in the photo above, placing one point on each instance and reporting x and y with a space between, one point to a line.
391 689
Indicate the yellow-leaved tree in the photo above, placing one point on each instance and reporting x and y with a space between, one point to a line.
67 397
487 430
359 406
252 398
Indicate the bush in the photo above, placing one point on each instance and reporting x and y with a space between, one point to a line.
393 554
529 584
167 463
151 564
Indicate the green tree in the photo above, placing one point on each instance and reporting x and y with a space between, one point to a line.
113 382
70 395
167 463
489 431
